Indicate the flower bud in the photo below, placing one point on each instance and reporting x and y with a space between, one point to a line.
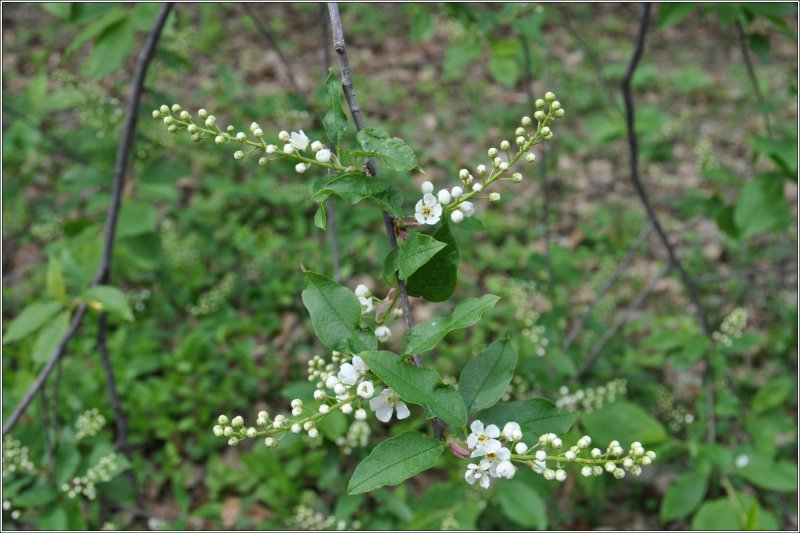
516 177
202 113
557 443
444 196
229 129
496 161
238 154
319 394
521 448
503 166
520 131
313 433
586 471
549 474
192 129
308 425
347 408
540 116
219 139
316 146
297 411
284 136
456 191
546 131
263 414
270 442
324 409
271 149
477 187
339 389
492 152
156 113
296 428
258 132
481 169
185 115
241 136
164 110
530 158
300 168
549 97
555 106
172 128
262 161
539 104
559 113
541 455
526 121
168 120
323 155
218 431
228 431
505 145
520 140
619 473
494 197
569 456
233 441
560 475
361 414
251 433
237 422
288 149
211 121
596 453
457 216
610 467
427 187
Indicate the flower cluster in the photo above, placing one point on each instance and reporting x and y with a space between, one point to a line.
528 303
294 146
731 327
344 389
103 471
497 461
676 415
16 458
89 424
592 398
455 201
137 298
210 301
306 518
383 310
181 250
357 437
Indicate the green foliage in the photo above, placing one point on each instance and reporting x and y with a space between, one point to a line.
394 152
485 378
108 299
436 280
535 416
414 252
354 188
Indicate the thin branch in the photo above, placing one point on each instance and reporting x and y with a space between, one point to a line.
330 211
355 111
619 322
691 290
265 33
109 231
751 73
580 324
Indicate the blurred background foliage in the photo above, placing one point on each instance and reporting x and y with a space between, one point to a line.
209 254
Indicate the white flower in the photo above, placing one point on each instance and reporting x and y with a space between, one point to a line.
347 408
477 187
456 191
506 470
288 149
366 305
586 471
478 473
538 466
301 167
383 333
541 455
339 390
284 136
316 146
385 404
521 448
560 475
481 169
360 414
299 140
324 155
457 216
366 390
467 208
324 409
427 187
428 210
444 197
512 431
359 365
362 291
742 461
485 438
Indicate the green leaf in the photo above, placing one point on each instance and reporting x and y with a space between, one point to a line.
503 63
419 386
671 13
49 338
684 495
485 378
535 416
393 151
108 299
336 314
415 252
54 280
395 460
112 47
67 462
53 518
356 187
780 476
772 394
426 335
321 217
782 151
335 119
436 280
136 218
717 515
30 319
95 28
623 418
759 44
761 206
522 504
37 496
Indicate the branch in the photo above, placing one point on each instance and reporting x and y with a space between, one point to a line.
388 219
109 231
751 73
262 29
691 290
619 322
578 327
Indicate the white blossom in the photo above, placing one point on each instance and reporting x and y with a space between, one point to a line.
484 438
362 291
427 187
324 155
428 210
444 197
383 333
386 403
457 216
467 208
366 390
478 473
506 469
299 140
512 431
366 305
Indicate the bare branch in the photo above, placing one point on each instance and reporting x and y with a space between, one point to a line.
388 219
580 324
109 231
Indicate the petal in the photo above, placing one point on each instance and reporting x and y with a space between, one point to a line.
492 431
503 454
430 200
433 220
492 446
485 481
419 206
479 452
472 440
378 402
469 476
402 411
420 218
359 363
384 413
476 426
437 210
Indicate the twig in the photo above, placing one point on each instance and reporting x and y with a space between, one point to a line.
326 60
691 290
388 219
262 29
580 324
751 73
123 151
619 322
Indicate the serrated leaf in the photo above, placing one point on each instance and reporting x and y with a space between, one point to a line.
335 119
49 338
436 280
522 504
426 335
415 252
357 187
29 320
108 299
395 460
684 495
485 378
393 151
535 416
336 314
419 386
